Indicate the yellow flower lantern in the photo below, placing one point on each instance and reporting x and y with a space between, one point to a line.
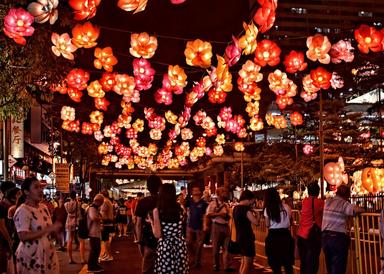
239 146
95 90
143 45
96 117
256 124
138 125
177 76
67 113
248 41
218 150
198 53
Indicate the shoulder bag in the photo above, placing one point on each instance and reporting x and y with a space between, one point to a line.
314 236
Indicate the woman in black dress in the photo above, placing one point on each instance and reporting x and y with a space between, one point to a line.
244 217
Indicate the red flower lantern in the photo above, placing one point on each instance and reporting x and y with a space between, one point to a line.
101 103
267 52
17 23
265 16
107 81
74 94
87 128
217 96
232 52
200 142
321 78
163 96
77 78
85 35
296 118
294 62
368 38
84 9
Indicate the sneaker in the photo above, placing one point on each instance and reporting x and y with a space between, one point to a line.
107 259
96 270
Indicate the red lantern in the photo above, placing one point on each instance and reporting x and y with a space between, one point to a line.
296 118
321 78
232 53
267 52
265 16
74 94
217 96
211 132
108 81
87 128
368 38
200 142
101 103
162 96
294 62
84 9
78 78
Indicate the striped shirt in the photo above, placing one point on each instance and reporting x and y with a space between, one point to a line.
335 215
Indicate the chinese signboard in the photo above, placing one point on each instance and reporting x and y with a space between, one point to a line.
17 138
62 177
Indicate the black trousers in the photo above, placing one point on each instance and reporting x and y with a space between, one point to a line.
335 247
280 249
94 252
309 256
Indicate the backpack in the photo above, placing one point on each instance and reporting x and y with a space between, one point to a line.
82 227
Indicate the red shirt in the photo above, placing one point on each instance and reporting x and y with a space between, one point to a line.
128 204
306 219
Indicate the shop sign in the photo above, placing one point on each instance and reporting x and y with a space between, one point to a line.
18 172
17 138
62 177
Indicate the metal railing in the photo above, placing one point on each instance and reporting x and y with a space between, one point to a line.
364 252
370 202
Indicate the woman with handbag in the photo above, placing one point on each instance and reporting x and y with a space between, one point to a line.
244 218
279 244
309 232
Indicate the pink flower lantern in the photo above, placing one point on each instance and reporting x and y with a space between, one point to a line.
131 133
163 96
225 113
232 52
143 73
44 10
308 149
17 24
342 51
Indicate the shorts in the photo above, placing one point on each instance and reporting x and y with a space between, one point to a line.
105 232
247 248
121 219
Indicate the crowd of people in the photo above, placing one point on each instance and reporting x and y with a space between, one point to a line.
171 230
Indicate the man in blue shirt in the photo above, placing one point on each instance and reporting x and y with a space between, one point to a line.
196 208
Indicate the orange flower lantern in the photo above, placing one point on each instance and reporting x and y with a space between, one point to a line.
267 52
283 101
77 78
124 85
198 53
321 78
256 124
252 108
170 117
75 94
280 122
372 179
85 36
248 41
318 48
296 118
59 87
124 121
102 148
221 77
84 9
108 81
250 72
95 90
138 125
104 59
216 96
102 103
308 85
72 126
265 16
62 45
44 11
96 117
186 134
200 142
86 128
334 173
239 146
177 77
132 5
278 82
67 113
294 62
218 150
368 38
143 45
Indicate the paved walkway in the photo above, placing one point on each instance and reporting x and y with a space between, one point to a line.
127 261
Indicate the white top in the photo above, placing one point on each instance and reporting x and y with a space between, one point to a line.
285 221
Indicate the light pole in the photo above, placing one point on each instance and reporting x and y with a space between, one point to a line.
321 145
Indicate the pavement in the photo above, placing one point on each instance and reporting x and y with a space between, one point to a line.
127 260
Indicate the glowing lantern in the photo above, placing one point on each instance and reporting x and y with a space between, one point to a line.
171 118
220 77
211 131
267 52
216 96
62 45
98 135
67 113
296 118
220 139
102 148
372 179
336 81
177 78
368 38
17 23
143 45
250 72
318 48
334 173
278 82
186 134
225 113
256 123
72 126
138 125
44 10
96 117
265 16
248 41
84 9
59 87
176 2
232 52
200 142
77 78
321 78
102 103
279 122
75 94
95 90
143 73
252 108
105 59
132 5
218 150
308 149
107 81
198 53
342 51
155 134
239 146
131 133
310 90
86 128
294 62
199 116
163 96
124 121
124 85
85 36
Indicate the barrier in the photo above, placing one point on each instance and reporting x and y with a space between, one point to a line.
364 252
